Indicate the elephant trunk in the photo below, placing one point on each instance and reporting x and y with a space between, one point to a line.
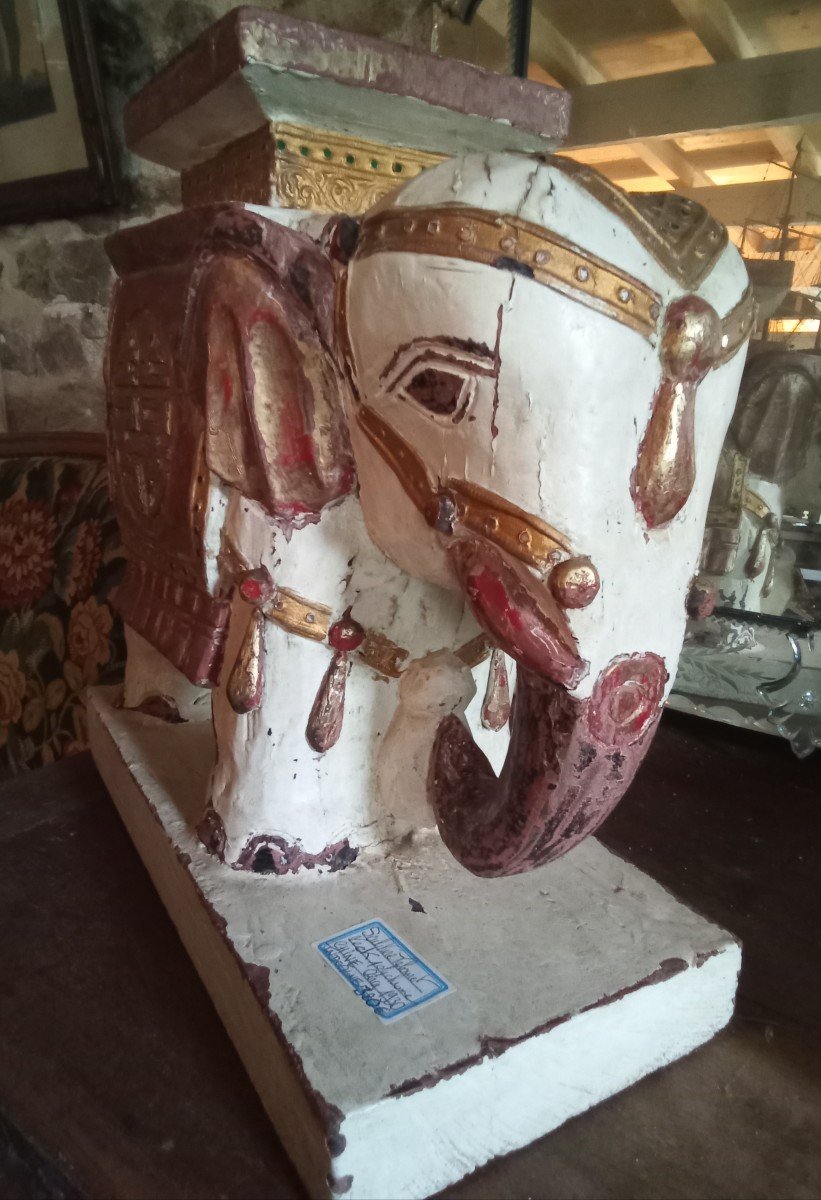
570 759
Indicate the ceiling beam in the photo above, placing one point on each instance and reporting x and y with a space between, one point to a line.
719 30
791 142
775 89
735 203
671 164
553 51
570 67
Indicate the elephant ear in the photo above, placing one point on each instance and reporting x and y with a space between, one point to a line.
262 334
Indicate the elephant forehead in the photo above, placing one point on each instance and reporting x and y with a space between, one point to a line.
544 194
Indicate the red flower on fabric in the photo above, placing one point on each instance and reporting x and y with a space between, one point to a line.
27 534
85 562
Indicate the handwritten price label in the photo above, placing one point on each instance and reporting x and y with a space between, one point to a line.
380 968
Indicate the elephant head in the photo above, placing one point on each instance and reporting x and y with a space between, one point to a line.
542 373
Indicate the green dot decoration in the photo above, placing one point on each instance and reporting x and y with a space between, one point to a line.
374 163
281 144
350 160
326 152
304 150
397 168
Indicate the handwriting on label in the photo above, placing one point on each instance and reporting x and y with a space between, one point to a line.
390 978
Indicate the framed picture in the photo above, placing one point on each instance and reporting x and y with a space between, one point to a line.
56 152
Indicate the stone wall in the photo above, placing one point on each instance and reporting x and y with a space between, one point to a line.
54 275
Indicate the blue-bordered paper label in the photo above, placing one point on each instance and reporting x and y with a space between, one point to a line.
389 977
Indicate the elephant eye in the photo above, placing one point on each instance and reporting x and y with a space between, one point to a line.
443 393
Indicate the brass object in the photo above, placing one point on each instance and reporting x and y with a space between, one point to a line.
328 709
329 172
520 534
299 616
376 651
468 233
679 232
666 471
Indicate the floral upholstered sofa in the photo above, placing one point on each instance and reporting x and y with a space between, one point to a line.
60 561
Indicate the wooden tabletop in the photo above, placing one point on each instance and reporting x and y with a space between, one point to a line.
118 1080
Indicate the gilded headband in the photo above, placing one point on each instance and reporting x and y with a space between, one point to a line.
456 231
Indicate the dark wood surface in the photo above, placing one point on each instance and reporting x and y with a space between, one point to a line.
118 1080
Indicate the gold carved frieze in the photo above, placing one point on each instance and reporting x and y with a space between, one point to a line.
329 172
296 166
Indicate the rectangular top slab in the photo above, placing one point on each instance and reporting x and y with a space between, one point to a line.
255 66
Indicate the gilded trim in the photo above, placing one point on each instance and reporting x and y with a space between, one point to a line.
471 233
736 327
299 616
377 652
328 172
753 503
399 456
382 655
475 651
520 534
680 233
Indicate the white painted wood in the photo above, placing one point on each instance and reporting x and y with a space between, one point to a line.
149 674
555 967
267 779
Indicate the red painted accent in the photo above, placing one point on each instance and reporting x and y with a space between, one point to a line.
346 634
536 635
257 587
569 763
250 590
270 854
626 698
701 601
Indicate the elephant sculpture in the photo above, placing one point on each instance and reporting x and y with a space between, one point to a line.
768 471
363 467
